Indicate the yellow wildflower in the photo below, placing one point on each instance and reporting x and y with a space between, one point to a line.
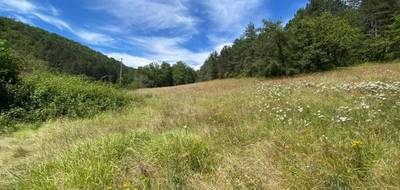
125 184
356 144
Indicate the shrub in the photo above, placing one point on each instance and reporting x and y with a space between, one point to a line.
42 96
9 69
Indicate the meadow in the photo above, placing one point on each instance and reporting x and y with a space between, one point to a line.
330 130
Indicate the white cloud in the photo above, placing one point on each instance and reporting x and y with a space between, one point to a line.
53 10
93 37
60 24
170 50
130 60
17 5
221 46
170 17
29 9
24 20
232 15
153 14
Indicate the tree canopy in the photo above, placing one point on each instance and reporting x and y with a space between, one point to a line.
323 35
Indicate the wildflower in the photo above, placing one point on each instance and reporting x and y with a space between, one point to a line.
300 109
125 184
185 127
343 119
356 144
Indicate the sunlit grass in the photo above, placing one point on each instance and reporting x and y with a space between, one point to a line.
333 130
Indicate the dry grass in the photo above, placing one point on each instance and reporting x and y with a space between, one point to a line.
283 133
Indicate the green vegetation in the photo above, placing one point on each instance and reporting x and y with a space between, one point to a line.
324 35
9 70
39 96
44 50
107 162
43 96
156 75
331 130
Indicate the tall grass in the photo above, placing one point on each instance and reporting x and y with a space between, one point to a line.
334 130
109 163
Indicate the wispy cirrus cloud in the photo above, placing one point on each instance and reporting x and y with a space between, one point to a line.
169 49
231 15
17 5
149 14
159 49
60 24
93 37
142 31
49 14
130 60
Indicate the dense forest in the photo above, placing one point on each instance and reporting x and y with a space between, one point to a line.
323 35
47 51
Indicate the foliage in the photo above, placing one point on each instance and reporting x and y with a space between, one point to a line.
9 70
323 35
332 130
156 75
35 45
393 34
323 42
42 96
182 74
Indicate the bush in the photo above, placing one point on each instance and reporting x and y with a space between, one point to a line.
9 69
42 96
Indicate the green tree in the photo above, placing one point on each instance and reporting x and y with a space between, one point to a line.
183 74
378 15
393 39
166 75
323 42
208 70
274 41
250 31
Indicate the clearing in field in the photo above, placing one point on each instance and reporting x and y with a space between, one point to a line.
333 130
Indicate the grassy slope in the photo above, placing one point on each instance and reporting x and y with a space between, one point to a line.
332 130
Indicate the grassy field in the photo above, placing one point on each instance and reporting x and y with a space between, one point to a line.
332 130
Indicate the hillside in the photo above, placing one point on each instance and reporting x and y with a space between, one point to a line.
44 50
331 130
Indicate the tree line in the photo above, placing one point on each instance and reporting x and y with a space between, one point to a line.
323 35
41 50
162 75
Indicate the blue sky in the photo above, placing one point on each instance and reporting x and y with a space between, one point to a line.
143 31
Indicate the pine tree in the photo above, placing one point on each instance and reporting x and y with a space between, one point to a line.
378 15
250 32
